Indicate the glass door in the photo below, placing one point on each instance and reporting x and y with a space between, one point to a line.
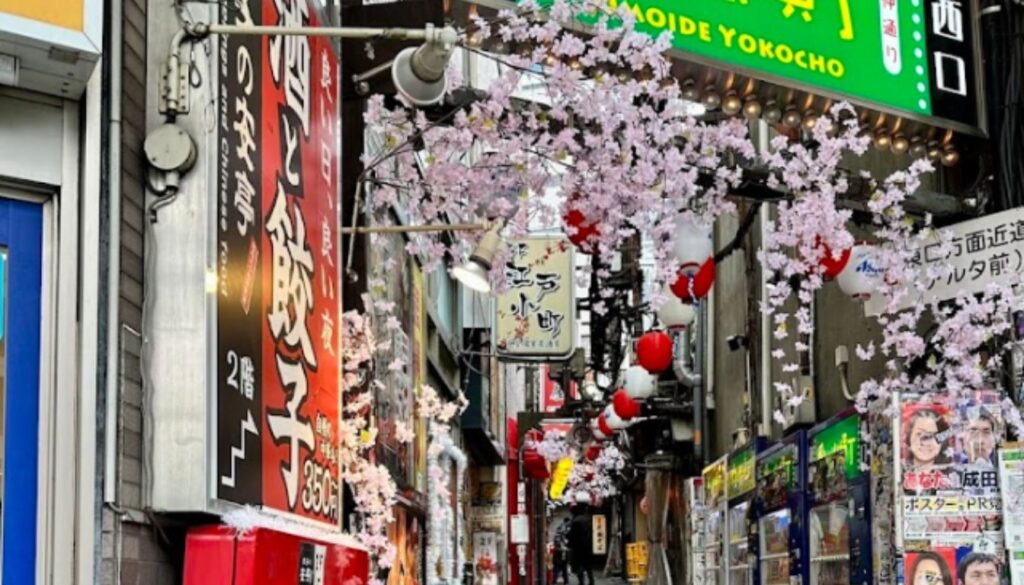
21 237
774 535
740 572
830 544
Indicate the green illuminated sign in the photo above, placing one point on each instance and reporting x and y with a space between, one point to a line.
913 56
741 472
843 436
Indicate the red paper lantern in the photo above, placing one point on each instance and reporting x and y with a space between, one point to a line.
586 234
602 425
830 267
654 351
624 405
702 282
593 452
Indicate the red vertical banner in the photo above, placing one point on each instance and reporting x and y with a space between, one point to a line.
301 388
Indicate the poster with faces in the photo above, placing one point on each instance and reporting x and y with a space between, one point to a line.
950 501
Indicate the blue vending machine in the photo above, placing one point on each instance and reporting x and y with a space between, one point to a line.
840 511
740 520
782 504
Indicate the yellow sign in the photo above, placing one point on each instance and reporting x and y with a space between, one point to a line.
714 482
636 561
741 473
69 14
560 478
536 317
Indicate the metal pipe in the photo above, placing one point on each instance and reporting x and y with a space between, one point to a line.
699 389
113 256
765 344
682 365
172 74
342 32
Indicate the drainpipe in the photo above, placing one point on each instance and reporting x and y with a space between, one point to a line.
114 258
690 377
766 324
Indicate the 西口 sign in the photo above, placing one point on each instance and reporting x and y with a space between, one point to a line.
982 251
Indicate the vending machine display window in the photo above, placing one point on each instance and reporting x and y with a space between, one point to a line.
782 503
742 550
715 501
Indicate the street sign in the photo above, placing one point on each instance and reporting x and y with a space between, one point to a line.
986 250
915 57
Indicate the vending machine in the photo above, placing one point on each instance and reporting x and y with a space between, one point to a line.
715 509
693 541
741 529
840 511
782 505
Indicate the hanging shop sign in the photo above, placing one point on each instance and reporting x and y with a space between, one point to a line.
536 316
599 534
979 252
1011 484
560 478
277 392
915 58
741 472
951 504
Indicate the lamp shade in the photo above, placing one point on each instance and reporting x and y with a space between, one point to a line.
689 288
624 405
654 351
415 82
584 235
615 422
639 383
675 314
692 245
861 275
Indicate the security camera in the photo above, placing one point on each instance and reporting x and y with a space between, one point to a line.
736 342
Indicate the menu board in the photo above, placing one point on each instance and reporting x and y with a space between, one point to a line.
714 483
951 505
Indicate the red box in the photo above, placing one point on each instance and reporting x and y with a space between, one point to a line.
220 555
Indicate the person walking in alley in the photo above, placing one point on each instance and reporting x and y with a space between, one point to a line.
561 552
581 545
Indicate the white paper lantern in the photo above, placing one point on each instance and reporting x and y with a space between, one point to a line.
692 245
591 391
639 384
615 421
674 313
582 497
861 275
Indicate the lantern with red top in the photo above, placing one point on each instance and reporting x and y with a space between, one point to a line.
691 286
862 274
831 264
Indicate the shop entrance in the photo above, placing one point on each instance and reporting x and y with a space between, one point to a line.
21 241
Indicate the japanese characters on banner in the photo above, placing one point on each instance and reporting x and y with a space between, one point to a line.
599 534
984 250
536 317
277 292
951 505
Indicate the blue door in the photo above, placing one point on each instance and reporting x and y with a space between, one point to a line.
21 241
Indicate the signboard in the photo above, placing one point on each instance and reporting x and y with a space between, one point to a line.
278 385
405 535
536 316
599 533
951 506
485 558
554 396
915 58
741 472
1011 484
560 478
714 483
519 531
984 250
1017 567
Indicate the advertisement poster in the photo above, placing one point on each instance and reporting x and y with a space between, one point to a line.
951 504
391 284
277 394
1011 483
406 535
485 558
